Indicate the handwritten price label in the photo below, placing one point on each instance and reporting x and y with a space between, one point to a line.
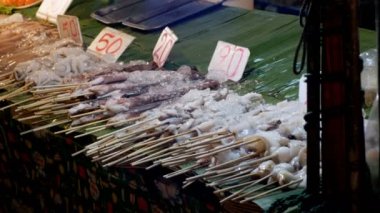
68 27
228 62
50 9
110 44
164 46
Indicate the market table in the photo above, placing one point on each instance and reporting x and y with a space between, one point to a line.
37 171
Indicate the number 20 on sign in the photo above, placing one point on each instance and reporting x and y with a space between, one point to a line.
229 61
68 27
164 46
110 44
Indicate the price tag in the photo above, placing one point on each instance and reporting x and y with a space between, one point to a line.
164 46
50 9
110 44
228 62
68 27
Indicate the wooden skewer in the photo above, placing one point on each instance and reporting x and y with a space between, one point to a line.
184 186
238 160
15 84
76 128
233 195
126 128
45 127
209 140
248 190
126 121
231 178
182 171
231 187
226 147
16 92
152 166
59 85
154 156
250 163
159 142
271 190
196 177
90 132
88 113
29 118
203 137
16 103
220 174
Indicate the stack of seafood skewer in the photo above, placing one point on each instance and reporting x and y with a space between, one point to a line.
148 117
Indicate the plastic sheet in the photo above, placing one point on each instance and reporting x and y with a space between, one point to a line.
372 144
369 75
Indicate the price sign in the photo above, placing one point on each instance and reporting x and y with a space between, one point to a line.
164 46
110 44
228 62
68 27
50 9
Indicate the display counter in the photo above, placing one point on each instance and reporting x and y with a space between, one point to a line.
39 174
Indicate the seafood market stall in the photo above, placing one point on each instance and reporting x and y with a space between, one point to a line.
84 134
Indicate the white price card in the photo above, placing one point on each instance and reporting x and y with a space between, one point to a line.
164 46
68 27
228 62
110 44
50 9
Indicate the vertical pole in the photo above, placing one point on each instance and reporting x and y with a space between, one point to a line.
312 42
343 162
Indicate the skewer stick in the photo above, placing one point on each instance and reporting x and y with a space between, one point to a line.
88 113
29 118
251 162
196 177
227 147
209 140
243 158
80 127
248 190
231 178
126 128
233 195
90 132
16 103
204 136
182 171
154 156
46 126
160 142
59 85
152 166
271 190
130 120
231 187
17 92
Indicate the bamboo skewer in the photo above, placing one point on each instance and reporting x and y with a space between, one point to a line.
248 190
16 104
126 128
45 126
271 190
230 178
80 127
227 147
88 113
238 160
182 171
238 193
